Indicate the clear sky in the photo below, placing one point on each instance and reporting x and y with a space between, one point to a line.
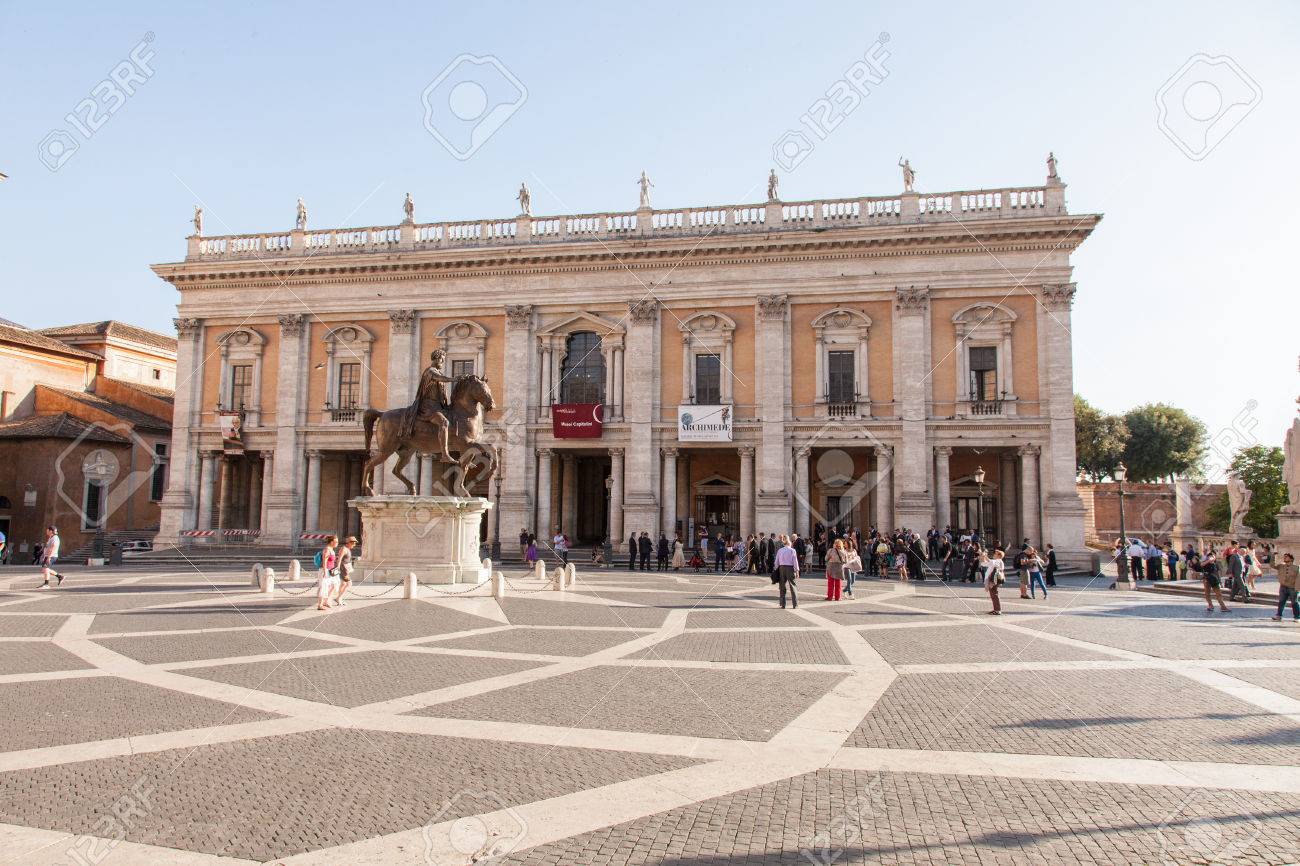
1186 290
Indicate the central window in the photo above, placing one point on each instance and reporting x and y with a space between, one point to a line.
708 379
241 385
462 368
349 386
841 386
983 373
582 378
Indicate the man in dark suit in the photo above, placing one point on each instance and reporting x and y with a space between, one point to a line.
631 552
661 552
756 554
647 550
769 555
801 551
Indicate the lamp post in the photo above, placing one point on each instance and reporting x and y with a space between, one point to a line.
496 524
979 507
1119 473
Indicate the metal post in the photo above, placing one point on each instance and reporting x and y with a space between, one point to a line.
1122 565
496 524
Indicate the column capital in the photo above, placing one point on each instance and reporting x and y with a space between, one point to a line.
403 321
803 452
943 450
772 307
1058 297
314 454
212 454
912 300
1028 450
568 457
884 452
746 450
672 452
518 316
616 453
544 453
643 311
188 328
291 324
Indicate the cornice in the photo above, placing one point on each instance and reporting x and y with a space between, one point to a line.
827 245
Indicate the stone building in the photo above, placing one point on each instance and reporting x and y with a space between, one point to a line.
757 367
80 448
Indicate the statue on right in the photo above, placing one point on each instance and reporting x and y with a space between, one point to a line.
1291 467
909 175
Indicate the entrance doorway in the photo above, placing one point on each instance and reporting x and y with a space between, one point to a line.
593 499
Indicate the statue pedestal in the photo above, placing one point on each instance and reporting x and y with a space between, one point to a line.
436 537
1288 534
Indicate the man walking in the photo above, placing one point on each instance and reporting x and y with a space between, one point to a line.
1236 574
1287 572
647 549
787 572
49 556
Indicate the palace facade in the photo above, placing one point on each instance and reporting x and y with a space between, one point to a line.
883 361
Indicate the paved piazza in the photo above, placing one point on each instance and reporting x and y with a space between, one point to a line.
640 718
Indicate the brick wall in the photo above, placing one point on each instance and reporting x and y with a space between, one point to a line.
1148 509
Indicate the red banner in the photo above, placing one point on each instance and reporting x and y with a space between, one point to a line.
576 420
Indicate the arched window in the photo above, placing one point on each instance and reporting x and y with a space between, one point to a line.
582 378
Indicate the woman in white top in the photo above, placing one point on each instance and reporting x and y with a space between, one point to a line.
994 576
679 555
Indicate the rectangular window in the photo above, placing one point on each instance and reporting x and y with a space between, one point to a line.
841 387
983 373
708 379
462 368
241 385
158 484
349 386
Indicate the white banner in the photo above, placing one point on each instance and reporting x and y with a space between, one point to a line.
703 423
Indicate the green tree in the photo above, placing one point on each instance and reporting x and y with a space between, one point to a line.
1219 514
1163 441
1099 439
1260 466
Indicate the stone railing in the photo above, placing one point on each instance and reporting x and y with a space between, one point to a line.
907 208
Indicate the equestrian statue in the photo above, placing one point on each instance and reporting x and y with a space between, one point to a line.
435 424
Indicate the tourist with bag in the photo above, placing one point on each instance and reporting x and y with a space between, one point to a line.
995 575
835 571
326 581
345 566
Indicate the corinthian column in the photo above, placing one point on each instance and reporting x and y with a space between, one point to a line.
1063 510
517 402
669 495
641 502
284 506
911 468
1029 494
544 529
746 491
772 510
178 503
942 488
615 495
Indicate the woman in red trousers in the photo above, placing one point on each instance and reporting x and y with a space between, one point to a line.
835 570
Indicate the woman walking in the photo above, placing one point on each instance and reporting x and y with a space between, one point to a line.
326 582
852 567
530 552
994 576
835 570
345 570
679 554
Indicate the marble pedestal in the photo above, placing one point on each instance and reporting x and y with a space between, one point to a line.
436 537
1288 534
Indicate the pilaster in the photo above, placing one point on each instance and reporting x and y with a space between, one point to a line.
284 506
641 503
772 506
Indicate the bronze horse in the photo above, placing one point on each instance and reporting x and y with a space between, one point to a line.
470 397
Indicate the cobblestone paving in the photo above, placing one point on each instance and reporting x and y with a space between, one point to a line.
543 641
29 657
353 679
194 646
746 705
276 796
722 709
1135 714
56 712
798 647
842 817
968 643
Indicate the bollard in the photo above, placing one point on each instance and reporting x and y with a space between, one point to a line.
570 574
412 586
498 585
295 570
256 577
539 570
487 564
268 581
557 580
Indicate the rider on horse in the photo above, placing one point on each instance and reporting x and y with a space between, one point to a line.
431 401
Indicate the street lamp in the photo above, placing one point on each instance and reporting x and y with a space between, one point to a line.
1119 473
979 507
496 525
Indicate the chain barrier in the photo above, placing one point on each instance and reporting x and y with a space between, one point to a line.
545 588
353 592
306 589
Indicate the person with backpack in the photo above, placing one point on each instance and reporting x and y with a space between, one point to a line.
326 581
1208 569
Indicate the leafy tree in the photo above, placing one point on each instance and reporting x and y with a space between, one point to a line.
1099 439
1260 466
1163 441
1219 514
